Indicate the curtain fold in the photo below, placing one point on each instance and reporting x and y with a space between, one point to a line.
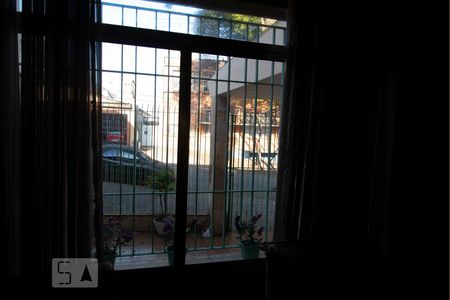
339 113
296 113
10 149
55 146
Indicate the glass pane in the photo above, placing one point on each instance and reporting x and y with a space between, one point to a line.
146 60
128 88
162 21
111 15
278 73
280 38
251 70
208 66
139 142
194 25
265 71
233 154
195 71
239 31
129 58
129 17
237 68
174 63
146 19
145 87
185 19
178 23
209 27
111 88
162 61
266 35
225 29
112 56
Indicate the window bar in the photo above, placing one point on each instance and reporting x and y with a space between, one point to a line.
246 33
183 14
255 109
134 95
269 158
168 116
274 33
156 28
188 23
168 20
226 192
269 151
154 151
135 170
231 173
182 159
121 120
172 136
197 141
218 29
122 9
164 121
244 117
214 151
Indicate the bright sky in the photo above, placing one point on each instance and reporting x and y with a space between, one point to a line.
141 59
155 5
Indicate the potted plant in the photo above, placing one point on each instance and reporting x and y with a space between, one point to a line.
168 234
114 237
163 181
249 235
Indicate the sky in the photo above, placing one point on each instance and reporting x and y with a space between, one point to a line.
141 59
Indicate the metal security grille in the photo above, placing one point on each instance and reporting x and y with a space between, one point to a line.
233 123
233 157
174 18
140 103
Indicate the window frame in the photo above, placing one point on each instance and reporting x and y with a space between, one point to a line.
186 44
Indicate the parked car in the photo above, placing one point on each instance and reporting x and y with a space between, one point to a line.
119 162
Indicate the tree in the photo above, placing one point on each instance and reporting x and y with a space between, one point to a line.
230 25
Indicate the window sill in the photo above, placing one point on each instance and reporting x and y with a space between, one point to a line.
192 258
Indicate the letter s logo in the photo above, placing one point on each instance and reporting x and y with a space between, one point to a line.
68 273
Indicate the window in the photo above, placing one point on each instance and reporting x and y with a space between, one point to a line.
229 143
194 21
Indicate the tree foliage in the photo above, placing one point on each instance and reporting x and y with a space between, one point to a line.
230 25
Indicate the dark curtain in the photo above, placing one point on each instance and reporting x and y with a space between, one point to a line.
10 146
52 153
336 144
364 151
339 111
297 111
